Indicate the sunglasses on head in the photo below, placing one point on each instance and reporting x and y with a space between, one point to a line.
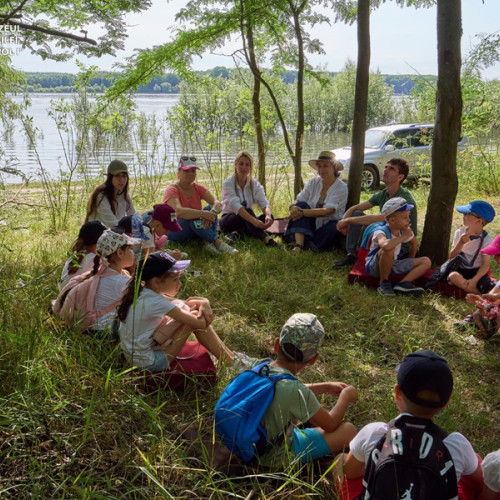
188 158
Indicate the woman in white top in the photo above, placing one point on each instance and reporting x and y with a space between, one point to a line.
318 207
239 194
109 202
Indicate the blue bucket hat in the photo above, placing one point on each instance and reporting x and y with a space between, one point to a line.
481 208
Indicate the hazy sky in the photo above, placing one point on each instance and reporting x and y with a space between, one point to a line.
403 40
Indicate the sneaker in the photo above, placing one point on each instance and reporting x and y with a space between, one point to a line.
232 237
225 248
465 323
407 288
242 361
348 261
385 288
211 250
184 256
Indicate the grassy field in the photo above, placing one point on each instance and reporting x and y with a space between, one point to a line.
72 425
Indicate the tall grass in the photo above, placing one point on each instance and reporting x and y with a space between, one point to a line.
74 425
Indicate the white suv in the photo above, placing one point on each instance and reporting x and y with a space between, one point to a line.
411 141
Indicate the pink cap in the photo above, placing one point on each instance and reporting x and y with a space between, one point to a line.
187 163
494 248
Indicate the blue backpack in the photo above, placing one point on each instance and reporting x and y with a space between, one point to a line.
364 249
240 409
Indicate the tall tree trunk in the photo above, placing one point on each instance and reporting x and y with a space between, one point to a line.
299 132
444 181
257 118
360 103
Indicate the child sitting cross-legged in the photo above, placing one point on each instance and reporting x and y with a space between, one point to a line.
323 431
487 317
155 326
468 241
385 246
411 457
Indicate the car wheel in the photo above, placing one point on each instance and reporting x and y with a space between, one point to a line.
369 177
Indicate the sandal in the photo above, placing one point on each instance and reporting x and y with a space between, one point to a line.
486 326
296 248
465 323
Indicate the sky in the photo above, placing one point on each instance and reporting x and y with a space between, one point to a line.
403 41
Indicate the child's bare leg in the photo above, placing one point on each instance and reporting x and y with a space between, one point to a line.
212 342
420 266
385 261
459 281
340 438
178 340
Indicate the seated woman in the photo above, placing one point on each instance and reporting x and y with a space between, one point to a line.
109 202
239 194
185 196
83 252
154 326
318 207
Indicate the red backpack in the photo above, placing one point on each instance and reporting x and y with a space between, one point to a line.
78 308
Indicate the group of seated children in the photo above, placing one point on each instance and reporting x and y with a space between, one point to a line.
298 428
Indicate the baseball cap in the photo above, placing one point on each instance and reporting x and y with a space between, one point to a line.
110 241
187 163
91 231
393 205
132 224
165 214
479 207
304 332
494 248
425 371
159 263
117 166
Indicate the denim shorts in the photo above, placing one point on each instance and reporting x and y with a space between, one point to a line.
160 363
309 444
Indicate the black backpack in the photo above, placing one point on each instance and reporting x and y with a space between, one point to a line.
410 462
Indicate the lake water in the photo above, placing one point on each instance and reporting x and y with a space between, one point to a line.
54 152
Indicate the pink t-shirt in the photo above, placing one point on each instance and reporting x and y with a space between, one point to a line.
194 202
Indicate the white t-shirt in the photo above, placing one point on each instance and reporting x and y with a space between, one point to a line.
470 248
136 332
336 197
461 451
109 290
104 213
86 264
374 245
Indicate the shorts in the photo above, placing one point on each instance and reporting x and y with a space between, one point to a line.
309 444
403 266
484 285
160 364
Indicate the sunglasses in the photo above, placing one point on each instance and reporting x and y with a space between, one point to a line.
188 158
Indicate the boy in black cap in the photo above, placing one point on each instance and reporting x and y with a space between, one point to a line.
423 389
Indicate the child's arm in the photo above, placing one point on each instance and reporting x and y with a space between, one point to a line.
187 318
473 298
351 467
413 248
389 244
330 420
202 308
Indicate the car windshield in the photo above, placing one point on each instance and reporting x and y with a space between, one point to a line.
375 138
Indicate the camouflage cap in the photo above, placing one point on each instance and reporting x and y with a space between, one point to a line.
305 333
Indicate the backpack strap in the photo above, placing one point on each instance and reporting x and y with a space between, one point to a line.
483 235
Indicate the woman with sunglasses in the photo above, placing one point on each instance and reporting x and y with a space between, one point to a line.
186 197
109 202
240 193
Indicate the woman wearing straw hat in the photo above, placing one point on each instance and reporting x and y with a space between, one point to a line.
318 207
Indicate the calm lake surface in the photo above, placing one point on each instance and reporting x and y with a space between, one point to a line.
54 151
